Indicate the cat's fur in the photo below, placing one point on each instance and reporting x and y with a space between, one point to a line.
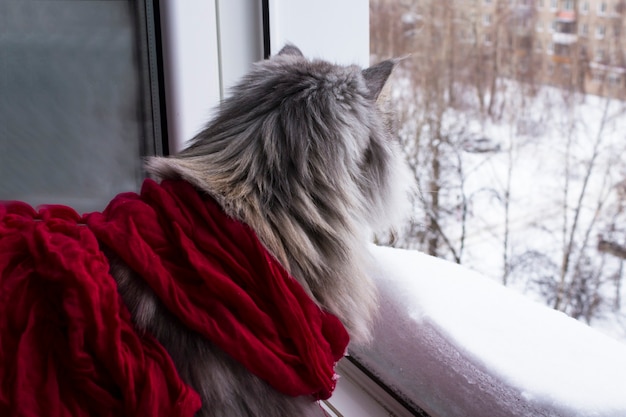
302 154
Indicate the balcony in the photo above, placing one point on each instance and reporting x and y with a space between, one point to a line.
564 38
566 16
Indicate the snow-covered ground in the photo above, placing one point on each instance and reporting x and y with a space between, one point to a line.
538 181
459 344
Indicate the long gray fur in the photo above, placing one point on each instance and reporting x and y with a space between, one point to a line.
301 153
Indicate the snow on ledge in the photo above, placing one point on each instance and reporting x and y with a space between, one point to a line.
458 344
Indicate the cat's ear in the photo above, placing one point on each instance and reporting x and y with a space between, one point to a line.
290 49
376 76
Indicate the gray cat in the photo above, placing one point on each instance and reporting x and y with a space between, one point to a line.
300 152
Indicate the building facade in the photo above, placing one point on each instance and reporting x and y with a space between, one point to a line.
577 44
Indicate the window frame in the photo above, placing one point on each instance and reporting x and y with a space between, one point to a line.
584 29
182 95
554 4
584 7
600 55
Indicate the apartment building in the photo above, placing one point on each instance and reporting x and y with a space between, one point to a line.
573 44
568 43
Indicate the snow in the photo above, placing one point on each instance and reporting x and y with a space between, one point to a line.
541 213
536 211
464 345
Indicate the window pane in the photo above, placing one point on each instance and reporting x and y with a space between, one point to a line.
516 140
517 145
72 108
483 127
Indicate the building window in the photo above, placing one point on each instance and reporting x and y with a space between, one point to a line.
561 50
584 7
539 4
487 19
584 29
539 27
602 8
550 48
554 4
566 71
554 26
600 31
614 79
597 77
569 5
487 38
600 55
616 57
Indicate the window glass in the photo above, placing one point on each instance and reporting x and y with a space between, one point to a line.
585 6
516 141
584 29
76 113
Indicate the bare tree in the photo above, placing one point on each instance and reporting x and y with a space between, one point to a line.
485 62
572 229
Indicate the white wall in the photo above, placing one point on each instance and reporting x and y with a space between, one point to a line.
336 30
190 46
240 37
210 44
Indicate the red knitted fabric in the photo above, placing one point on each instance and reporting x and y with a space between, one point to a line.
66 342
67 347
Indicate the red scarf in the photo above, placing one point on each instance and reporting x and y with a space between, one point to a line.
67 346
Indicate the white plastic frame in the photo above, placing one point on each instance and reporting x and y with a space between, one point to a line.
209 45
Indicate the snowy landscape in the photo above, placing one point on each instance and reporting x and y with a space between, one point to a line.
553 174
521 183
518 151
550 162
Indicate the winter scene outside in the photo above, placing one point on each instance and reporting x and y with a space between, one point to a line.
512 115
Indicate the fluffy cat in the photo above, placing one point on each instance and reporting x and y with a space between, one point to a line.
290 180
300 152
